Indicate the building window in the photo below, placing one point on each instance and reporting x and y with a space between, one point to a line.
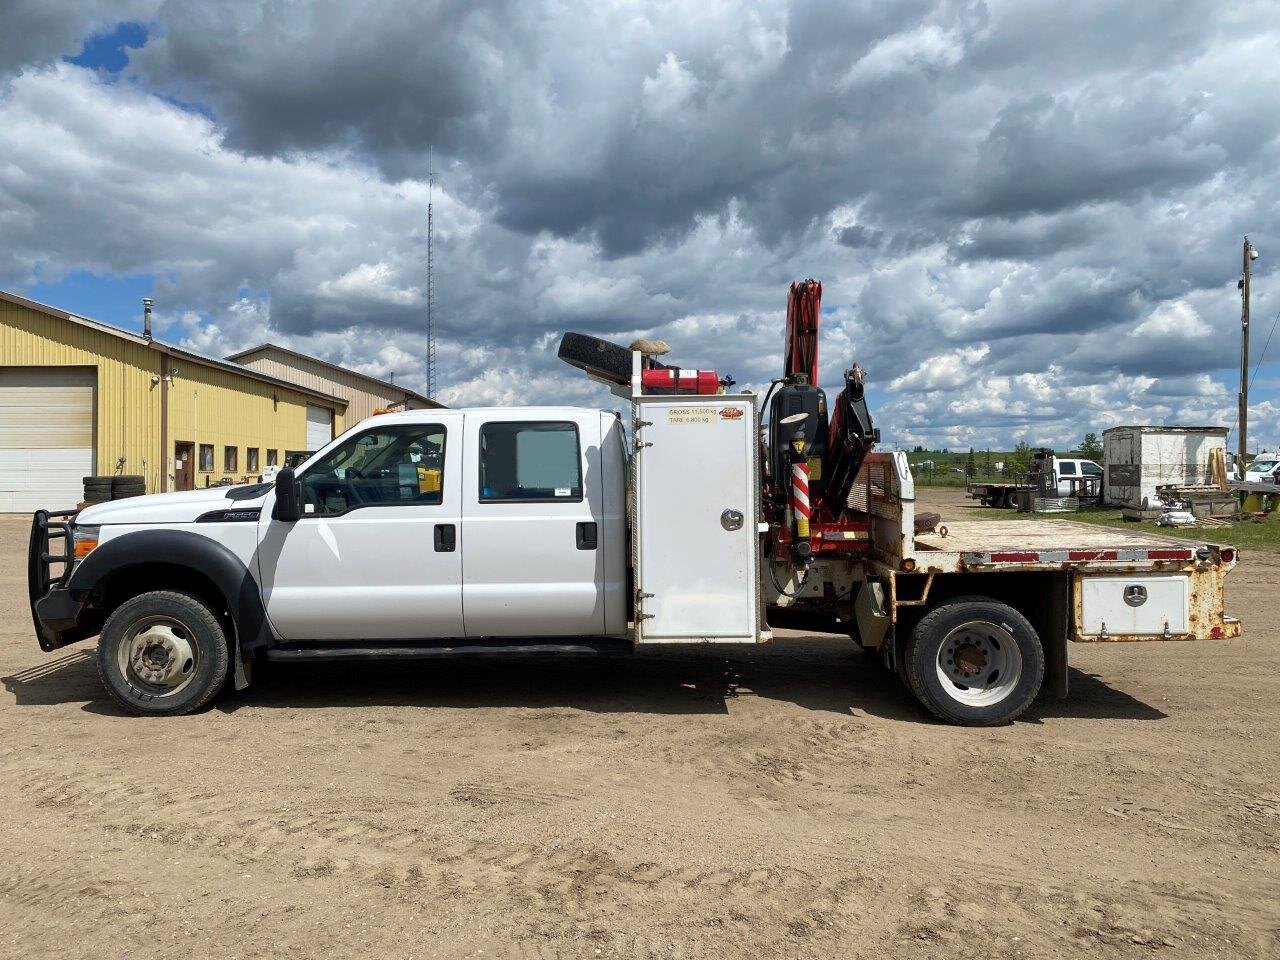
273 457
230 459
206 457
251 459
530 461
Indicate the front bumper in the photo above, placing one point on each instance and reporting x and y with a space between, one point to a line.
55 610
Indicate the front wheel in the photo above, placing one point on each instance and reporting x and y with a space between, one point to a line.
163 653
975 662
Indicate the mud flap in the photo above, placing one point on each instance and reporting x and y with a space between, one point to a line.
242 674
1054 638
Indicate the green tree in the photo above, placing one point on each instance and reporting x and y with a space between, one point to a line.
986 463
1019 460
1091 447
970 465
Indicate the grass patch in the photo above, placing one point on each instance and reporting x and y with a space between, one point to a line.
1248 534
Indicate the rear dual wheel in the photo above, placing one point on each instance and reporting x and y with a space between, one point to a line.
974 661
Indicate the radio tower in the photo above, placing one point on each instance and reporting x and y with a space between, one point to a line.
431 286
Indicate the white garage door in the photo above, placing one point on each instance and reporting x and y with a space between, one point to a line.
319 426
46 436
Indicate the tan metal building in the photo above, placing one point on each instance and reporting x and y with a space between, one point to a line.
79 397
365 395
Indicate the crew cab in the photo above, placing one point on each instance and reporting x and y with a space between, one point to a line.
550 530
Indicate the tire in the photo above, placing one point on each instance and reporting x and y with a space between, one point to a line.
163 622
978 638
97 489
128 485
599 357
1010 501
927 522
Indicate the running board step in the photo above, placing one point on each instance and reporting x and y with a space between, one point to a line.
430 650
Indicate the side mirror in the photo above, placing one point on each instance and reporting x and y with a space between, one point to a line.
288 508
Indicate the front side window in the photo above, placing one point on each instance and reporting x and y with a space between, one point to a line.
530 461
389 466
206 457
1091 469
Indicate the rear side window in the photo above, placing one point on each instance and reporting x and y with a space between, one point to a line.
530 462
1067 469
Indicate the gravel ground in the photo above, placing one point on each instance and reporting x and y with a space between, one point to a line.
785 802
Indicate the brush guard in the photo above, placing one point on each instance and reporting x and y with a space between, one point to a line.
47 529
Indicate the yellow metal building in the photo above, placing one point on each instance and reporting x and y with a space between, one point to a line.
79 398
365 395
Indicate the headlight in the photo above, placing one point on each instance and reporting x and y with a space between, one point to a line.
83 540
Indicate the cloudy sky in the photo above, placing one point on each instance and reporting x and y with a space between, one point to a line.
1027 215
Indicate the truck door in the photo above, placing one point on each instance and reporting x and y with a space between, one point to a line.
376 555
533 530
1067 471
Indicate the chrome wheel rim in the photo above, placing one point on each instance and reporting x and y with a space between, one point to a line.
158 656
979 663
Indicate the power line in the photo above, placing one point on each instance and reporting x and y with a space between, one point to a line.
1264 347
1257 366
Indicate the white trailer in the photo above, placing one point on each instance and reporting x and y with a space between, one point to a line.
1138 459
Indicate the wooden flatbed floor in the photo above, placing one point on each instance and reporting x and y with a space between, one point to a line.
987 536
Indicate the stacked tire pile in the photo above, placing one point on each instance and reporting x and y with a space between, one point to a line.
102 488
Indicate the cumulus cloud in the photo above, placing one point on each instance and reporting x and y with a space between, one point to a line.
1026 216
925 47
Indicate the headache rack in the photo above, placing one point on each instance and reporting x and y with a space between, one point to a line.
46 527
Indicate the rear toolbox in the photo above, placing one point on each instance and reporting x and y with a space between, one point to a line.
1125 585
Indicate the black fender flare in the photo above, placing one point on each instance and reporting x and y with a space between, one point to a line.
181 548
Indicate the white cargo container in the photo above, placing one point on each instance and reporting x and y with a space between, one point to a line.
1139 459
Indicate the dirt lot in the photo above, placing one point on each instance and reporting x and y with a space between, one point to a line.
786 802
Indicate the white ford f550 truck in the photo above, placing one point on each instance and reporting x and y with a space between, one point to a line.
553 530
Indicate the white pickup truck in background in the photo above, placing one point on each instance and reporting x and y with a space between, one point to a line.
1049 475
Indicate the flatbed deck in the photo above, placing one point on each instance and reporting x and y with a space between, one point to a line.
987 544
986 535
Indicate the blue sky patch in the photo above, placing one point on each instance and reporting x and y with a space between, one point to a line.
109 51
111 299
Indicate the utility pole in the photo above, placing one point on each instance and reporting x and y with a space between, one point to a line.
431 286
1248 255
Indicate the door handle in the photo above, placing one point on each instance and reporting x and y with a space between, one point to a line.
587 535
446 538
